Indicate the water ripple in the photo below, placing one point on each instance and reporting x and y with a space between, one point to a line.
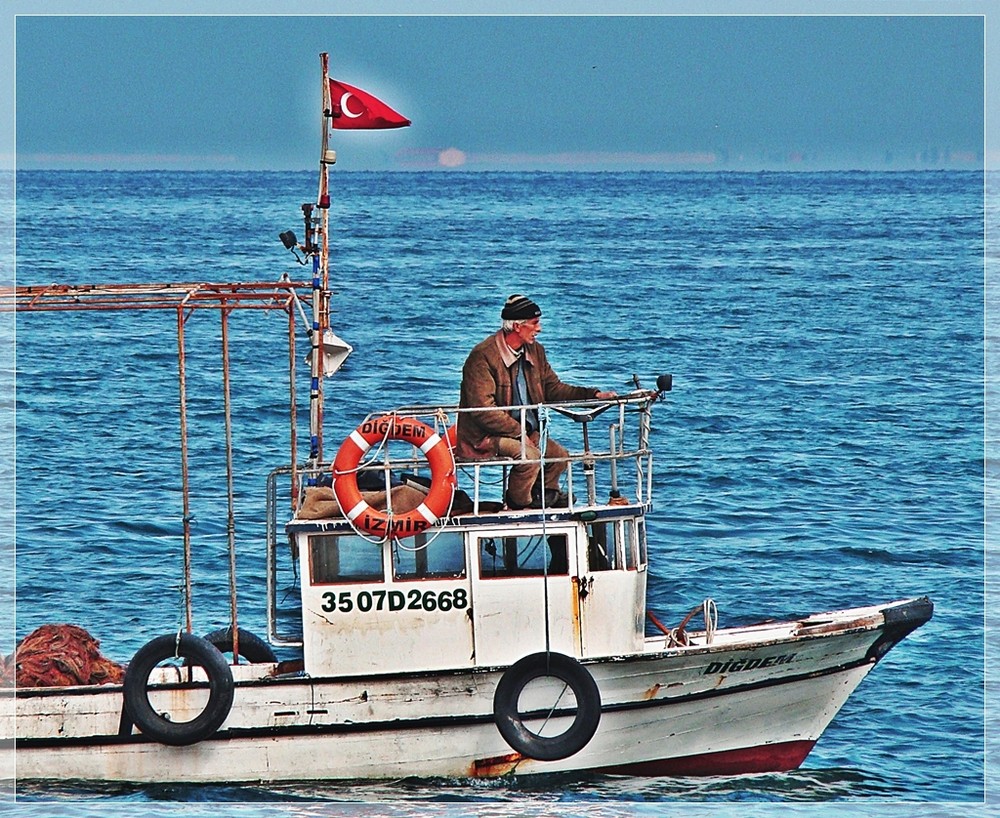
822 446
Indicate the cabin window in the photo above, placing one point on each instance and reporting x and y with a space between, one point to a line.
601 550
523 556
641 537
629 546
440 555
344 558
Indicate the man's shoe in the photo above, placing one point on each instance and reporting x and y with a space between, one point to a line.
555 499
513 505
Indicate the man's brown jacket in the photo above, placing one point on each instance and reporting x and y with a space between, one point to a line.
486 382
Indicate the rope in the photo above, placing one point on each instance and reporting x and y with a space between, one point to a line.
555 706
182 613
440 422
498 481
677 637
543 444
711 614
372 454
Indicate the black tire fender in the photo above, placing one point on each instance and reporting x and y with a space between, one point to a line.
510 721
196 651
252 648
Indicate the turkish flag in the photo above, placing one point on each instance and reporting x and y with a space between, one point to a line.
353 108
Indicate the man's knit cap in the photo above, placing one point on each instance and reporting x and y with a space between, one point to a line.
520 308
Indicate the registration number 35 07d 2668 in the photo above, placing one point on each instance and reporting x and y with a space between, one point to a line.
412 600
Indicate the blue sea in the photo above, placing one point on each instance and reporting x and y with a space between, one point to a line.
823 446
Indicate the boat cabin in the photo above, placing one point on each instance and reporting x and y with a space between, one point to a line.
485 587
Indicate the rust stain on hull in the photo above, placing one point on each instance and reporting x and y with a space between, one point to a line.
495 765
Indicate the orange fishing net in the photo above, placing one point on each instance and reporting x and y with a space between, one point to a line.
57 656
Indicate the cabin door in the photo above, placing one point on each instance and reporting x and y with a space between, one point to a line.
612 589
524 578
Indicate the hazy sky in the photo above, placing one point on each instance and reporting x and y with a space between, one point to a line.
493 92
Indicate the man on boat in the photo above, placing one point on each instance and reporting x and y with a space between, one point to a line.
510 368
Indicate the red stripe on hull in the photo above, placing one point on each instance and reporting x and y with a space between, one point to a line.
767 758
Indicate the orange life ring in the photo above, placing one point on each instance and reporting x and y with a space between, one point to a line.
381 523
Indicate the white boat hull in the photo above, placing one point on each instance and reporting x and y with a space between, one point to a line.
757 699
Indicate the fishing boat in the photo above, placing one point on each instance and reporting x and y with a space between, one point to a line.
435 630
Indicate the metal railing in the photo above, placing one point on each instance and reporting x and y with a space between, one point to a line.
590 457
184 299
617 463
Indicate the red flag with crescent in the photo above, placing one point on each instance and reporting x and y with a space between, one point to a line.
353 108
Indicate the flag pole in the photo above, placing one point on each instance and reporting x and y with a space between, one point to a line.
321 274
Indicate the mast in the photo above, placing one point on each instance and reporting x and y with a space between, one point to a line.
321 273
